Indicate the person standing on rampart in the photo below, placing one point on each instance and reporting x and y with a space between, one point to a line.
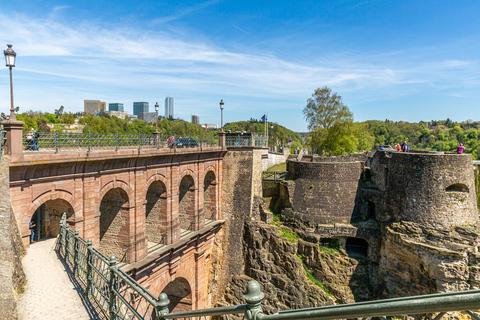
405 147
460 148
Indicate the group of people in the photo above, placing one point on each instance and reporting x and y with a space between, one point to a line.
404 147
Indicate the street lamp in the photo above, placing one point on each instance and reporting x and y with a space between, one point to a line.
10 62
221 111
156 117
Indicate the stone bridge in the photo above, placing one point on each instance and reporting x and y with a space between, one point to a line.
157 210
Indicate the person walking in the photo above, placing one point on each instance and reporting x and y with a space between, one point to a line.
460 148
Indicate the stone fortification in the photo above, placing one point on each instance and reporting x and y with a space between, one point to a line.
436 190
12 277
325 192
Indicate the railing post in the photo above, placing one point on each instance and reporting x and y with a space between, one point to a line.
56 141
139 141
111 287
116 141
67 244
253 296
88 141
161 307
63 230
89 267
75 254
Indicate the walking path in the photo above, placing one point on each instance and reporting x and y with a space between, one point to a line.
49 293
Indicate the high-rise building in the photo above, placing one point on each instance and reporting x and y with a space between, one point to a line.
195 119
168 107
140 107
115 107
93 106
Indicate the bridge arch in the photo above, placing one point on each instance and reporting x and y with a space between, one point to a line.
156 213
210 195
46 211
114 225
180 295
187 212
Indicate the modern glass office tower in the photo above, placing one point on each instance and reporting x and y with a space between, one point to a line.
169 107
140 107
115 107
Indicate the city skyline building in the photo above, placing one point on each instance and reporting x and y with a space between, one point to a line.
195 119
93 106
169 107
116 107
148 117
118 114
140 107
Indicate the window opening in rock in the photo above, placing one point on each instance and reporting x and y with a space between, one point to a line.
457 187
356 247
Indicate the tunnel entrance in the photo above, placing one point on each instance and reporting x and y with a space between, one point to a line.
209 197
47 218
180 295
156 214
357 248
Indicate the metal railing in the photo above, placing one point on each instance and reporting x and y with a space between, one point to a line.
119 296
245 140
274 175
58 141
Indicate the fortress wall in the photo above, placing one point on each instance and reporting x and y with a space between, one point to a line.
416 185
346 158
325 192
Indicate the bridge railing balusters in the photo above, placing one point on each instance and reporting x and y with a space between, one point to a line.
76 248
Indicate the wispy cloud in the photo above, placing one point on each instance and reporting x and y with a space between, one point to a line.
119 63
183 12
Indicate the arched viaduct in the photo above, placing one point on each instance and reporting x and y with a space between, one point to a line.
128 202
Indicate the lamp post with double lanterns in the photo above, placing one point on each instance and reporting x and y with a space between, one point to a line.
10 56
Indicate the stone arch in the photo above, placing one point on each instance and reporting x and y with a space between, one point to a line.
113 184
156 213
186 203
210 196
357 247
180 295
188 172
46 211
114 222
457 187
47 218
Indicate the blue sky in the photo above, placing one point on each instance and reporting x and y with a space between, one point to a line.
401 60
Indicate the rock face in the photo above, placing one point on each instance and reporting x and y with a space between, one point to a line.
416 259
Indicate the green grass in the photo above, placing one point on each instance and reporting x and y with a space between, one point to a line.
327 249
288 234
278 167
312 278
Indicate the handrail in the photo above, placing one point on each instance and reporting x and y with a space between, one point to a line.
120 296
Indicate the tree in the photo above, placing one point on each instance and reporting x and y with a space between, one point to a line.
330 122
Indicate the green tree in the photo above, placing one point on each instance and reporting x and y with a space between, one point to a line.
330 122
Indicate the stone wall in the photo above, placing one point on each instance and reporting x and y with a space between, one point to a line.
12 277
242 180
274 158
437 190
325 192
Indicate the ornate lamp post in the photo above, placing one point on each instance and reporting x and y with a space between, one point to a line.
156 117
221 112
10 62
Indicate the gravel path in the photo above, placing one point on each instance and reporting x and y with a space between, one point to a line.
49 293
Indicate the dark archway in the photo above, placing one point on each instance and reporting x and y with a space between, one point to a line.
114 216
186 205
180 295
356 247
209 196
156 214
47 218
457 187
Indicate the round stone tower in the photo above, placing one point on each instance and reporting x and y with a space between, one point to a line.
434 189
